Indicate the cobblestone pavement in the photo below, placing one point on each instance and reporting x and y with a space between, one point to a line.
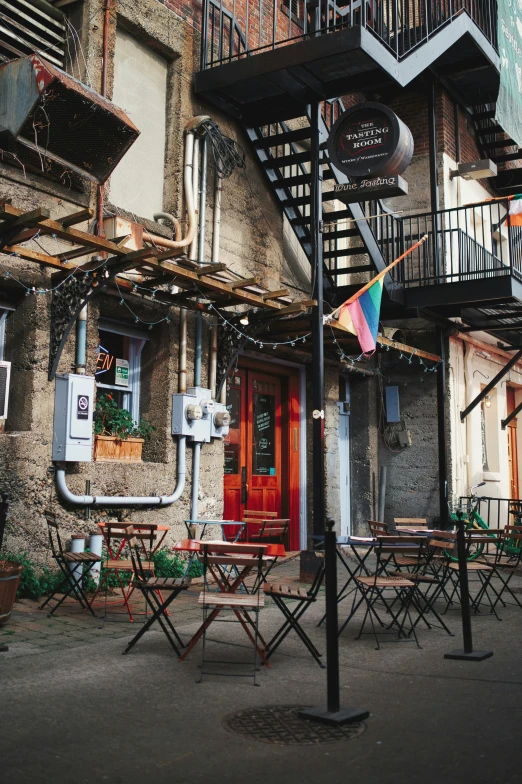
30 631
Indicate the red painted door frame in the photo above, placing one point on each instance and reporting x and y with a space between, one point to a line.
238 456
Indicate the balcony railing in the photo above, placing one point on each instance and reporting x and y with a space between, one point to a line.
233 29
464 244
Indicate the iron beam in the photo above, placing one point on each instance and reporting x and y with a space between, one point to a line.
487 389
505 422
441 429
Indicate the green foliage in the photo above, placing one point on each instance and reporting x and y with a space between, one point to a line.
33 582
166 565
111 420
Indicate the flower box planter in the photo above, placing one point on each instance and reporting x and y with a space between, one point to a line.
9 578
111 449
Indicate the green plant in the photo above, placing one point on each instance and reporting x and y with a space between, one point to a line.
166 565
33 584
111 420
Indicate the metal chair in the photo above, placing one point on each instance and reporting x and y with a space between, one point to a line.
304 599
151 588
71 585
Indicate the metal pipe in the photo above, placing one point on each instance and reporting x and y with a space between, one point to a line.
193 250
107 500
195 481
441 429
217 220
182 375
201 254
167 216
81 341
212 378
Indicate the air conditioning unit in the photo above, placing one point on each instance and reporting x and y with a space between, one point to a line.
5 378
53 124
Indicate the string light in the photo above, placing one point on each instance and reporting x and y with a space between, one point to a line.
259 343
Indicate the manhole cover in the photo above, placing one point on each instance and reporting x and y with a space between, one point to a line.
281 724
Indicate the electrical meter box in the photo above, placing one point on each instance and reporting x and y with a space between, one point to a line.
188 418
220 423
393 413
73 410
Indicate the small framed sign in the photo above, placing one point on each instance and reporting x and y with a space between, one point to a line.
82 407
121 377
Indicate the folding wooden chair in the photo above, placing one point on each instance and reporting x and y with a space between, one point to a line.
115 535
150 588
279 593
382 529
373 588
478 567
378 529
71 585
505 561
271 532
229 565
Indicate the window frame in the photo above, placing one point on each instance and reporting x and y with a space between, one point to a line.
137 340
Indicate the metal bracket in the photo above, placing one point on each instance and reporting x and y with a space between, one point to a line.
487 389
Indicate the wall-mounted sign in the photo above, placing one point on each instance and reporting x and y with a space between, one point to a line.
371 188
82 407
369 140
121 378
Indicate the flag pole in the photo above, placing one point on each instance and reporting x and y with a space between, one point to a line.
377 277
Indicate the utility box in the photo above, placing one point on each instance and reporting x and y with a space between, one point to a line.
73 410
392 404
187 417
220 422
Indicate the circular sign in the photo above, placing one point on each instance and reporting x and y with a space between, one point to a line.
370 140
83 403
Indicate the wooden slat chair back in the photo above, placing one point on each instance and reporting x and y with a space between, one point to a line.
292 613
271 532
378 529
71 585
151 588
410 522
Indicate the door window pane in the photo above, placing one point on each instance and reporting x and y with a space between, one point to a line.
263 435
233 440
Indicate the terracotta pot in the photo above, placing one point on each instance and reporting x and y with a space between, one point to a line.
9 579
111 449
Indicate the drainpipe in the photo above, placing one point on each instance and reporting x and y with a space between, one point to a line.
215 258
182 374
199 247
164 216
81 341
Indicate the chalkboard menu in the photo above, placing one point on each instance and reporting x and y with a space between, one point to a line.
264 434
233 440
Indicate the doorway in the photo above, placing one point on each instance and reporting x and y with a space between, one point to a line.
512 444
261 451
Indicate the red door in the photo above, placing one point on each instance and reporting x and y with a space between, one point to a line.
262 449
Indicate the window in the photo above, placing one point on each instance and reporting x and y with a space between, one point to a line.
118 364
140 88
28 26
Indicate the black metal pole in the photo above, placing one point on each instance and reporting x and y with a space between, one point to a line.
491 385
441 429
467 652
332 625
317 326
333 714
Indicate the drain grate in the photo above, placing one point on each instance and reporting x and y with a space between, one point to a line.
281 724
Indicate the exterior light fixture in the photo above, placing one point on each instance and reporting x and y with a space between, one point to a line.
487 401
244 320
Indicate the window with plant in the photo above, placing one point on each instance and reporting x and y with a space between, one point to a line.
111 420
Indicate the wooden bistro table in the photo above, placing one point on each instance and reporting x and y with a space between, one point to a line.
232 582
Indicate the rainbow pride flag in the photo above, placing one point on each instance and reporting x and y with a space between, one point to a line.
361 315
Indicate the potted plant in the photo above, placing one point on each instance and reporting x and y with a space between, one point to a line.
116 436
9 579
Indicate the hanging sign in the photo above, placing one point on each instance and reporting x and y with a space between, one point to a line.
369 188
508 110
121 378
369 140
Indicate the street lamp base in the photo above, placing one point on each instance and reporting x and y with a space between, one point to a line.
335 718
473 656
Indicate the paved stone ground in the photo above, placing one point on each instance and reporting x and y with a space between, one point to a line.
80 711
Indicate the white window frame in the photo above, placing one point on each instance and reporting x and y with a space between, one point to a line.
137 340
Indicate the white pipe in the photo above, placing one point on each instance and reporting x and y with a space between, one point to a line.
167 216
95 547
212 376
196 455
217 220
182 374
76 567
108 500
193 250
469 353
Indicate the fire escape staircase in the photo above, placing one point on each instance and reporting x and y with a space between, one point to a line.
368 46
